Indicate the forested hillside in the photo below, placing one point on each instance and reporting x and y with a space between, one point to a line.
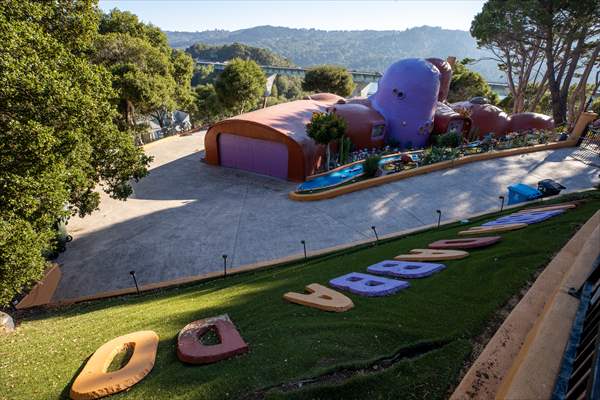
360 50
227 52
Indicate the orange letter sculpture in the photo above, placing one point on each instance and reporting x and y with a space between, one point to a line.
321 298
432 255
476 230
466 243
95 382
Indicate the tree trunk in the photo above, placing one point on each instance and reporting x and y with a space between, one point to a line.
328 157
127 111
539 94
553 85
566 83
577 102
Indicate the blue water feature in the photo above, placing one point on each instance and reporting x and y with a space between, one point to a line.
340 176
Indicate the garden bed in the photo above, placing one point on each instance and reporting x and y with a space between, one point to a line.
407 346
367 183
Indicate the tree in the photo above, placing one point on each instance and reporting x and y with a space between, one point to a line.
289 87
241 85
466 84
329 78
502 27
205 52
150 77
204 74
208 108
570 31
58 139
325 128
560 36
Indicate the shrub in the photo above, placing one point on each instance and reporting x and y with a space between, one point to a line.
20 256
449 139
371 166
439 154
324 128
329 78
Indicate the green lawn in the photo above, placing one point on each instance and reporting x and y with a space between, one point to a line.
428 327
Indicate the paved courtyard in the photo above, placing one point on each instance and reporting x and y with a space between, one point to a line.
185 215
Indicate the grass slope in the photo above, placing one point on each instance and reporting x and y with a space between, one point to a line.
290 342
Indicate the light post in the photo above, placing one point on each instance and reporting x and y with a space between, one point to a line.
224 265
132 273
501 204
304 246
376 236
439 213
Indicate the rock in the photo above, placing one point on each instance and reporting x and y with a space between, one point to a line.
6 323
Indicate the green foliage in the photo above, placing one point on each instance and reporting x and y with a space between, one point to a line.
371 166
467 84
58 140
330 79
345 149
436 154
449 139
21 263
227 52
150 77
241 85
324 128
595 107
289 87
208 108
204 74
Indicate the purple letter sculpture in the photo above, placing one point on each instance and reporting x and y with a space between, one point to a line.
368 285
529 218
405 269
407 98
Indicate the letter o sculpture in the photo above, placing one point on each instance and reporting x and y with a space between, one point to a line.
93 382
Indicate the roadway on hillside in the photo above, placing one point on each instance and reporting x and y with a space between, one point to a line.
185 215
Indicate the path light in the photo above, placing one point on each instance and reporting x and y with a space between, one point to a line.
502 204
224 265
376 236
304 245
132 273
439 212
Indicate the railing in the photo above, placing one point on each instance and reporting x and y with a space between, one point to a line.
357 76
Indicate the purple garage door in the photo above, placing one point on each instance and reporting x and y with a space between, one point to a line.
254 155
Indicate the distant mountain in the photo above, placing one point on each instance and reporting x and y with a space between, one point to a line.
365 50
226 52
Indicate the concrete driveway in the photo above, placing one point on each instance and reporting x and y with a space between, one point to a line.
185 215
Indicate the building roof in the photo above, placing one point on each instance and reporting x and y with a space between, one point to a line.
290 118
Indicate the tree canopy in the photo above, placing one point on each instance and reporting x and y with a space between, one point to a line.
325 128
150 77
330 79
466 84
241 85
208 108
58 139
227 52
548 43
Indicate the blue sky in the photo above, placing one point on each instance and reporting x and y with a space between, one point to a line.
197 15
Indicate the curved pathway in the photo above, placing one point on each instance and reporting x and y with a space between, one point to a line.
185 215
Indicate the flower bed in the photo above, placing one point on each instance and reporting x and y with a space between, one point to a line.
437 158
